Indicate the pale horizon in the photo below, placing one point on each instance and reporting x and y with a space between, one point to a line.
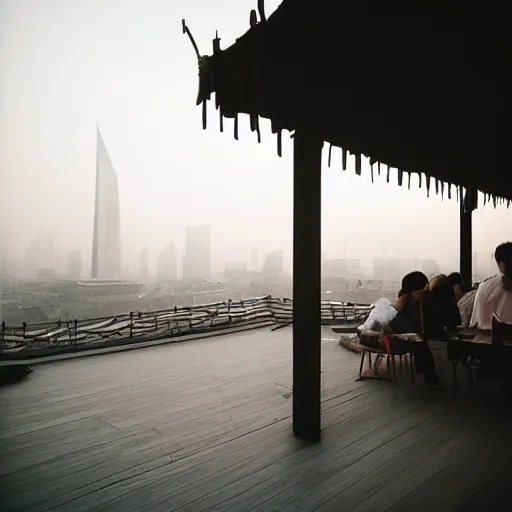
68 65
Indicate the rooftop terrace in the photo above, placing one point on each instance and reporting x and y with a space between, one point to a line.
206 425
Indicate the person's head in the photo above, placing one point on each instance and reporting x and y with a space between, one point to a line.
503 256
457 282
413 282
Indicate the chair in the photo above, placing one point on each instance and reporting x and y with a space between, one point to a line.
499 348
375 343
501 332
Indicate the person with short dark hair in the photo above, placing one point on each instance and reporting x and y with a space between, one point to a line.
459 287
465 298
429 309
494 296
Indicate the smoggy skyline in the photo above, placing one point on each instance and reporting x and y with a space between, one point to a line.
67 65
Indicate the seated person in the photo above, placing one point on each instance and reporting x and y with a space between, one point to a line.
427 309
494 296
457 282
432 310
465 298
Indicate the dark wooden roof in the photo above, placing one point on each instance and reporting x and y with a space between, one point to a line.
424 93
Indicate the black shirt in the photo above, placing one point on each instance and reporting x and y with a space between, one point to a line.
440 313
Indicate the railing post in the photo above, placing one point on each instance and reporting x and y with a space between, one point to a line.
131 324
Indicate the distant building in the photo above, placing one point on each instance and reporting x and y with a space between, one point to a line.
197 260
46 274
144 265
254 263
106 245
429 267
235 267
387 269
167 265
334 267
74 265
353 268
39 255
273 266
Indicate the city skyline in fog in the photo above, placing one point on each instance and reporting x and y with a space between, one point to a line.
68 65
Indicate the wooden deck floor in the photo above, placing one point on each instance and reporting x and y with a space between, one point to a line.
206 425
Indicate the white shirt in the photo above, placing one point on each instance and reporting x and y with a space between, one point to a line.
491 298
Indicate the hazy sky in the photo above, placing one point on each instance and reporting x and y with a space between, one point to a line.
67 64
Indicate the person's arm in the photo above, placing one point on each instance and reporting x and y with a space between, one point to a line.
476 315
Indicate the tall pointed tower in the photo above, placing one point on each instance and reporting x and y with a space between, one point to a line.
106 244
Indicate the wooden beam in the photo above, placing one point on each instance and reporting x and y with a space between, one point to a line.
306 285
466 236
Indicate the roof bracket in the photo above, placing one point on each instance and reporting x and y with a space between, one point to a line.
358 163
449 190
408 181
187 31
329 157
371 172
344 159
387 175
216 43
400 177
261 10
252 121
442 190
253 20
236 127
280 143
204 114
427 179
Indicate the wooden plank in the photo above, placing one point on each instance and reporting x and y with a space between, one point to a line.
495 493
307 215
332 464
183 487
205 425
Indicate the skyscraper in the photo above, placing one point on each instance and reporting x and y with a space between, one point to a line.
197 260
167 266
106 245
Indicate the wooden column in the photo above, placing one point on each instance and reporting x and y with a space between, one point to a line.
307 156
466 236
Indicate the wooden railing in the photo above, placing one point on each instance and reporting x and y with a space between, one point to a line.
49 337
